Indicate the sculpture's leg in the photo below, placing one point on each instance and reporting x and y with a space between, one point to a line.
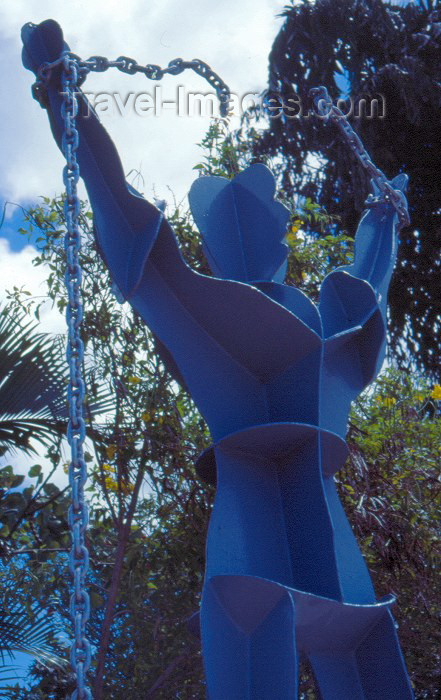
248 639
247 615
248 612
375 670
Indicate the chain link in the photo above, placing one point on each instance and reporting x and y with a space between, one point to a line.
327 110
78 515
100 64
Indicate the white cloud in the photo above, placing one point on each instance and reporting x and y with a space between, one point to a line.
17 270
233 37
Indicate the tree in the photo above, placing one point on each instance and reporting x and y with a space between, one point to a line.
33 411
368 50
391 490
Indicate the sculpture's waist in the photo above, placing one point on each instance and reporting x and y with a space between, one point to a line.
278 444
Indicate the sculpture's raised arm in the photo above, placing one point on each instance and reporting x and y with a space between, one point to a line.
353 298
129 221
353 294
376 243
374 260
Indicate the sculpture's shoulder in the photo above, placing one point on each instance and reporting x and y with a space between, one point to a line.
295 301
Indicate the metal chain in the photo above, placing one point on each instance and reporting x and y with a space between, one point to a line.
78 514
327 110
100 64
74 71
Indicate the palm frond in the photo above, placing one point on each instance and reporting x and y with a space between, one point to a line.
32 374
33 384
30 631
17 432
7 674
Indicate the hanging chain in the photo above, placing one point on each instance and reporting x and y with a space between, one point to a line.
327 110
100 64
78 511
74 71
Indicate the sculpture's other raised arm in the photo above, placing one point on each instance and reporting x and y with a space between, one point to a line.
376 243
353 310
375 252
356 295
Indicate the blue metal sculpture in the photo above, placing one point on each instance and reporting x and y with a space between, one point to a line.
274 377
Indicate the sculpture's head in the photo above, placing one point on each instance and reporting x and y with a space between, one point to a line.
41 43
241 225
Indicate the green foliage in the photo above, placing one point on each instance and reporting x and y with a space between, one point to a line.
226 153
391 490
311 258
29 630
28 627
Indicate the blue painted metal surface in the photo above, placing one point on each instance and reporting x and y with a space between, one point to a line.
274 376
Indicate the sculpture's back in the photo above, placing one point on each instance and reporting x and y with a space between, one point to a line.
274 376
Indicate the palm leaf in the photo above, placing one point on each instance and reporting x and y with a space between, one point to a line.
32 369
32 632
33 383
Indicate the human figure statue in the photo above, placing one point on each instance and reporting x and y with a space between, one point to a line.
274 376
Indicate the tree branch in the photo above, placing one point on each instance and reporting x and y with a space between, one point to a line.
123 538
165 675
